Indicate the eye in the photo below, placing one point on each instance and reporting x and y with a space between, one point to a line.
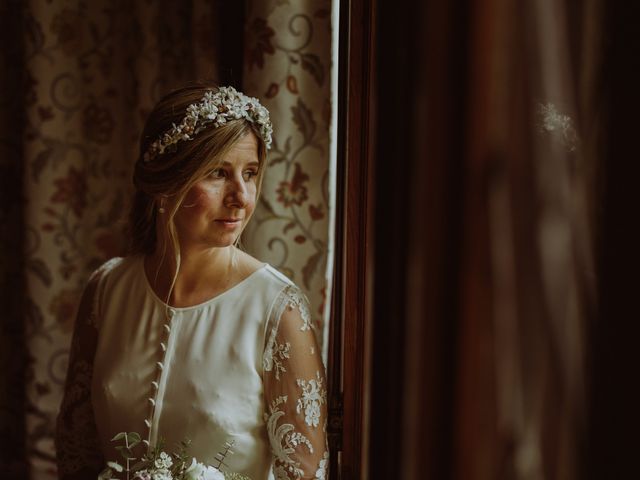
249 174
217 173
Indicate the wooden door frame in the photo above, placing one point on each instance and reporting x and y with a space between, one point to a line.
350 326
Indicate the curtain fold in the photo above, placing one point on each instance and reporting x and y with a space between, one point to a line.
531 215
12 238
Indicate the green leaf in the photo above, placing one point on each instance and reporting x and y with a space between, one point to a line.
119 436
116 466
134 439
125 452
139 465
105 474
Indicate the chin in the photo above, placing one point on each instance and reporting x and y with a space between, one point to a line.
222 242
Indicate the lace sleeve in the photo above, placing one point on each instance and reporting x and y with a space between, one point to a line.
78 451
295 392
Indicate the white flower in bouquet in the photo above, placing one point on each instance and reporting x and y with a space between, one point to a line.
162 475
195 471
212 473
159 465
163 461
143 475
199 471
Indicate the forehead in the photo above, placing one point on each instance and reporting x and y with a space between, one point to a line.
244 150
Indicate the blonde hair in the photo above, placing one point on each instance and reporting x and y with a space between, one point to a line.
174 173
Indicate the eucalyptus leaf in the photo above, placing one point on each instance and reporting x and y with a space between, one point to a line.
139 465
106 474
125 452
116 466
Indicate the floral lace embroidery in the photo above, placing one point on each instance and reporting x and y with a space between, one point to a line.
321 472
280 472
274 355
76 438
313 395
281 352
284 440
298 299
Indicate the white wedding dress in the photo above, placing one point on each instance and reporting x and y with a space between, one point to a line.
242 367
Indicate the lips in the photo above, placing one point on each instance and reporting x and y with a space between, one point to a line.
229 223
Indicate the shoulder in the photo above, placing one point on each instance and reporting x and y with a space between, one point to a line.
103 270
108 266
290 302
287 296
115 267
109 272
249 265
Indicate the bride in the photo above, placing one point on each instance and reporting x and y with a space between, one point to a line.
188 337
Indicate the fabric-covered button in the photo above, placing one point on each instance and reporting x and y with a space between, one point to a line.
160 365
155 385
163 346
147 423
152 401
167 328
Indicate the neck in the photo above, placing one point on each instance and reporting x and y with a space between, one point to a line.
197 267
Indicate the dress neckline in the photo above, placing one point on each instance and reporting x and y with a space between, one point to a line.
199 305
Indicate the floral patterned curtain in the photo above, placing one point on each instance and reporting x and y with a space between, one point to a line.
288 63
78 80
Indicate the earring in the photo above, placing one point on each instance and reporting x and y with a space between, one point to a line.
161 208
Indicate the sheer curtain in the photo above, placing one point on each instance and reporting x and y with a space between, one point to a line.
488 151
533 164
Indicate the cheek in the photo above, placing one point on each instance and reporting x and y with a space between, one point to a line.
251 200
199 200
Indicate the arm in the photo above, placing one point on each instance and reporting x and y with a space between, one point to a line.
77 446
295 393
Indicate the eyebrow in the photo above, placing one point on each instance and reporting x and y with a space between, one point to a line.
250 164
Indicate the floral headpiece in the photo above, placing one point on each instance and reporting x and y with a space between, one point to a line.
218 108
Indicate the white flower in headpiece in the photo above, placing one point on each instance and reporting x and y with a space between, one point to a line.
218 108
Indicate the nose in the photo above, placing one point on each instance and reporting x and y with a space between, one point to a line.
237 194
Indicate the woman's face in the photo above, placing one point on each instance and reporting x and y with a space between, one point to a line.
217 207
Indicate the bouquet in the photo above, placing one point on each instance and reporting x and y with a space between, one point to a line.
159 465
